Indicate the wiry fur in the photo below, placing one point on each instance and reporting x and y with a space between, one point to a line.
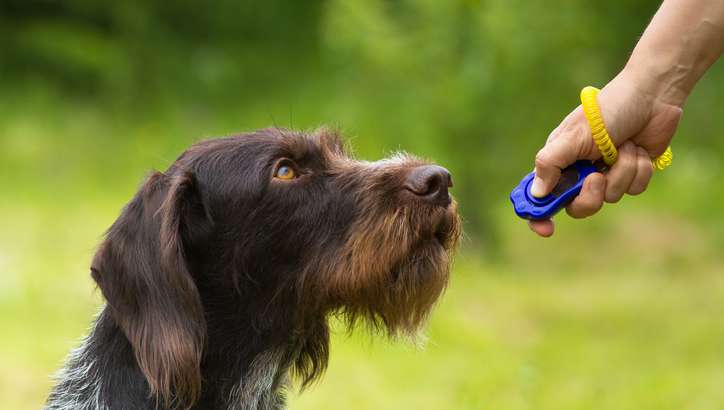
79 383
220 278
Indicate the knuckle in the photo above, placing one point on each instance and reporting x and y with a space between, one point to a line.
615 183
646 170
595 206
542 159
577 212
582 142
638 187
584 207
614 197
642 152
628 158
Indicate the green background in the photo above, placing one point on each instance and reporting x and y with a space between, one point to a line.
622 311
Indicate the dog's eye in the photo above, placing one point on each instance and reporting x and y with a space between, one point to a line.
285 171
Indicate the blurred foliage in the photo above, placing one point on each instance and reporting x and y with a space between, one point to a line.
94 94
474 84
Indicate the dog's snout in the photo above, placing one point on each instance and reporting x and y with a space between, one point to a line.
430 183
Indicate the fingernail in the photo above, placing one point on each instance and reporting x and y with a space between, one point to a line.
537 189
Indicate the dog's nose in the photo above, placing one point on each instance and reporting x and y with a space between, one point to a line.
430 183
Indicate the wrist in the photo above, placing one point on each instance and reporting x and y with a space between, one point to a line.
659 76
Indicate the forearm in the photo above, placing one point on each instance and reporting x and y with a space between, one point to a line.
682 41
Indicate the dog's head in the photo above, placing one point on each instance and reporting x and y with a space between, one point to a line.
286 225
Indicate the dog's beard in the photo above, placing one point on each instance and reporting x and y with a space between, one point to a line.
422 275
393 269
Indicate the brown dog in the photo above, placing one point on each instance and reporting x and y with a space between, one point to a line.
221 272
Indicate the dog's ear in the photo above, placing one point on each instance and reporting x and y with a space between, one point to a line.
142 271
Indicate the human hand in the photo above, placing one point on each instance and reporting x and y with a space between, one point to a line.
640 125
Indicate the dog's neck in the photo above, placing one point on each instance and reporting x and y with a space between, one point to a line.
102 372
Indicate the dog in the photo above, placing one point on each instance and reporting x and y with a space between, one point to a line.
221 273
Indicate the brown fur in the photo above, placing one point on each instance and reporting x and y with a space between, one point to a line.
216 268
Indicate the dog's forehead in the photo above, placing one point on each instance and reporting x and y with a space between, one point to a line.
322 141
322 144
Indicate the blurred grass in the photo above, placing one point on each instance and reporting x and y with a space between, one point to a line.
623 311
504 340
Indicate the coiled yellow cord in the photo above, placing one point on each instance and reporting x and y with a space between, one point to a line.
600 134
664 160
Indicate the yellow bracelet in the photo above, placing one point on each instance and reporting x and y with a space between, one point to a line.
600 134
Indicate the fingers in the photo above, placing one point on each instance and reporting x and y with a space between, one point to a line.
543 228
591 198
644 172
622 173
630 174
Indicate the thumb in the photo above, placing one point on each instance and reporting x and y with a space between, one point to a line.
558 153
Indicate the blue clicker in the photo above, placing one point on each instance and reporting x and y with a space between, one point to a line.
569 186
